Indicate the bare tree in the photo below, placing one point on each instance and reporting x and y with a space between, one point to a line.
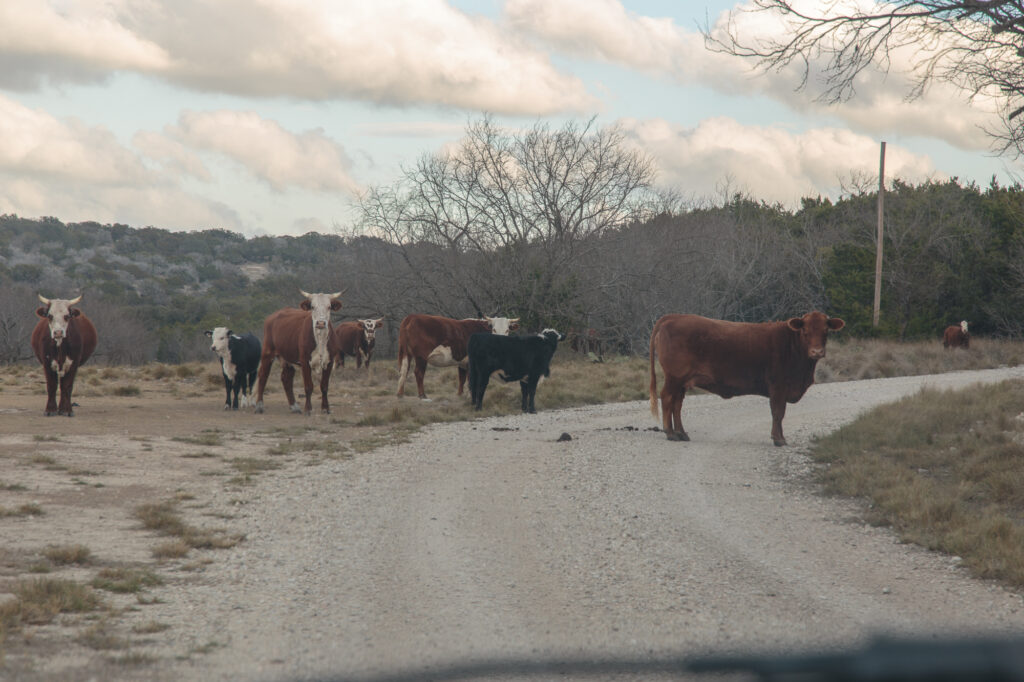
976 45
499 223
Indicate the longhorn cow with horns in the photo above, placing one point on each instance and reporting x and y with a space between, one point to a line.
300 337
62 340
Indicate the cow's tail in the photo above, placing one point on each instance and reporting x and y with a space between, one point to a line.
403 368
654 382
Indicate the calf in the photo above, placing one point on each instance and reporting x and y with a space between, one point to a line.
239 362
773 359
519 358
956 336
62 341
356 339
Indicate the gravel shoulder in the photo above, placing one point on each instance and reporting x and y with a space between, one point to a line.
491 539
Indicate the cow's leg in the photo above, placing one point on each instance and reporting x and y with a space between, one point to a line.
478 381
462 379
421 369
227 391
325 380
236 386
287 378
67 383
529 390
247 389
778 405
359 359
307 384
672 394
51 392
264 372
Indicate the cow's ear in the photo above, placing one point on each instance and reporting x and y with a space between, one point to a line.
335 304
795 323
835 324
75 312
42 311
305 305
230 333
209 332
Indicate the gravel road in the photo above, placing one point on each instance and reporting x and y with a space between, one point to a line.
489 538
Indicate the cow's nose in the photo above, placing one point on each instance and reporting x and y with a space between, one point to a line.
213 348
817 353
321 325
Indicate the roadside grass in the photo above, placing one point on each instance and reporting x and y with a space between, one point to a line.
944 469
164 518
126 580
64 555
27 509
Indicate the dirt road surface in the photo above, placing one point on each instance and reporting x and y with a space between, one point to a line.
492 539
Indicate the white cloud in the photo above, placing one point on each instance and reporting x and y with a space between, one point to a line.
770 163
384 51
308 160
606 31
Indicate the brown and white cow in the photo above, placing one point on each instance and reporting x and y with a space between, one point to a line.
772 359
300 337
441 342
956 336
356 338
62 340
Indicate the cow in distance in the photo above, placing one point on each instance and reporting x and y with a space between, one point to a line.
525 359
957 336
62 340
441 342
356 338
300 337
239 363
771 359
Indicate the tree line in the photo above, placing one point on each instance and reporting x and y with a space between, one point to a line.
560 227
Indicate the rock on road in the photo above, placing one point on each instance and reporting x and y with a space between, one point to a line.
489 538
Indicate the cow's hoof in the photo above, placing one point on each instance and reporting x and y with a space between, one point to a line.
425 399
49 413
673 435
227 406
295 408
779 443
258 408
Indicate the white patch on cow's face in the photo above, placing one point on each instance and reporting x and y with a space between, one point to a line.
442 357
370 328
58 315
502 325
963 326
219 341
320 306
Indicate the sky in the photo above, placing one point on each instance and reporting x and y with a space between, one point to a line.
271 117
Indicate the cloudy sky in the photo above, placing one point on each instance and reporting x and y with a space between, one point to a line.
271 116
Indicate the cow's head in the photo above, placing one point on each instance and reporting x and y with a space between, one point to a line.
503 325
370 327
219 340
552 335
813 329
963 326
321 305
58 312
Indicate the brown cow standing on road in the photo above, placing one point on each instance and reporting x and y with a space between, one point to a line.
441 342
773 359
355 338
62 340
956 336
300 338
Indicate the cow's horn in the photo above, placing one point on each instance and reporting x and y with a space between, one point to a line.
338 295
513 319
75 300
305 294
43 299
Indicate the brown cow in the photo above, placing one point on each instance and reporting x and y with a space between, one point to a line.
62 340
773 359
357 339
956 336
441 342
300 337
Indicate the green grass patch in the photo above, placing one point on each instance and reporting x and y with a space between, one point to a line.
944 469
126 580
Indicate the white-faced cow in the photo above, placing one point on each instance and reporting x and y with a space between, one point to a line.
441 342
772 359
357 339
239 362
300 337
518 358
62 340
957 336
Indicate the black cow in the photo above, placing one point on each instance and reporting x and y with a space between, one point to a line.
519 358
239 360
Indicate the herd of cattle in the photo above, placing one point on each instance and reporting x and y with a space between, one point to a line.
772 359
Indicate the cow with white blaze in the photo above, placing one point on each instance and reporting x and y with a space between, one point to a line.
525 359
62 340
441 342
356 338
300 337
239 362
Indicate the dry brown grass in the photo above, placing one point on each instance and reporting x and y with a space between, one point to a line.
41 599
63 555
164 518
126 579
945 469
853 359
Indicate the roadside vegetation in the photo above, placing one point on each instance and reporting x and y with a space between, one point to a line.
944 469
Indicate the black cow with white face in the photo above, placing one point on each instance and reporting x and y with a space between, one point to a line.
519 358
239 361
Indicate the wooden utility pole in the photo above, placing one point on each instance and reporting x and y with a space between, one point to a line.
878 248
